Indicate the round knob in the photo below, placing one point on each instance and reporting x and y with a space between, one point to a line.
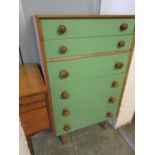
65 112
115 84
121 44
64 74
124 26
112 100
64 95
62 28
67 127
119 65
110 114
63 49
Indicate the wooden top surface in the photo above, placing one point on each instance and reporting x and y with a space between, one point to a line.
30 80
48 16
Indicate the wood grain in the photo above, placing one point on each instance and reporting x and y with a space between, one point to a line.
30 81
35 120
38 31
32 98
31 106
48 16
84 56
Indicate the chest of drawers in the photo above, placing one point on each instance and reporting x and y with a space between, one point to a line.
85 61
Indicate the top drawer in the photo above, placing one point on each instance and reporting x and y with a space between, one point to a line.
74 28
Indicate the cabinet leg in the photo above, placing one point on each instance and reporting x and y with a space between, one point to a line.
63 139
30 144
105 125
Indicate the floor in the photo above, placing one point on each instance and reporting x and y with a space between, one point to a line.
92 140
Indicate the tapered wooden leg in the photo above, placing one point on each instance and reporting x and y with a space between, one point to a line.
105 125
63 139
30 144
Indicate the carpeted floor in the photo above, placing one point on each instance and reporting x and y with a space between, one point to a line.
92 140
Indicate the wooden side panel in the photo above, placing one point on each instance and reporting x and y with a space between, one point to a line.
41 50
31 106
34 121
30 99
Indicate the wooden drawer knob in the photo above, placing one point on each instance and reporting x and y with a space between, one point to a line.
112 100
66 112
67 127
121 44
115 84
62 29
110 114
119 65
64 95
64 74
124 26
63 49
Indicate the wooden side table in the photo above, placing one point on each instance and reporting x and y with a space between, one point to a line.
32 101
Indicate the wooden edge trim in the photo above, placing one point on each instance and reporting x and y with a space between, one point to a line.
45 72
48 16
127 73
84 56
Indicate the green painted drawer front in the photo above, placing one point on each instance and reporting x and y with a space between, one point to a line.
84 120
86 95
82 46
86 68
85 27
89 101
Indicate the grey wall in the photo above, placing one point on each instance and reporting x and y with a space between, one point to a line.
28 8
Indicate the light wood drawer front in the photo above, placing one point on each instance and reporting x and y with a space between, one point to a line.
31 106
34 121
31 99
76 28
84 120
81 46
64 72
86 95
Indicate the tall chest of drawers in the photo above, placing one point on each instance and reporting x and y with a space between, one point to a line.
85 62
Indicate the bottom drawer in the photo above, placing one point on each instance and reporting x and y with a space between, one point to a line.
83 120
35 120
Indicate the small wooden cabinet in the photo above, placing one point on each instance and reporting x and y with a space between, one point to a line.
32 101
85 60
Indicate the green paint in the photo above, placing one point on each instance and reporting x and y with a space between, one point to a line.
85 27
89 81
93 93
81 69
89 86
80 46
83 120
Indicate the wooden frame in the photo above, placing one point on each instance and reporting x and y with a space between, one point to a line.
82 16
41 49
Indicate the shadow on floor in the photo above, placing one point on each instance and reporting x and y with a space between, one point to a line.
92 140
